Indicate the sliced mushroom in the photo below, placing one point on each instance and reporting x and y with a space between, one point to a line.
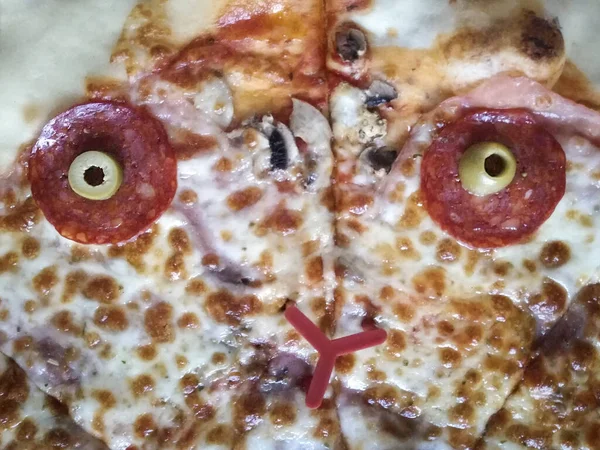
308 124
351 44
281 151
378 159
379 93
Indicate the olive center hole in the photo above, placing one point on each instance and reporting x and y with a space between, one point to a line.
495 165
94 176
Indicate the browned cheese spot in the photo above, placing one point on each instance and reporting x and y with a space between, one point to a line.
461 438
328 199
469 336
396 343
248 411
189 145
142 385
345 363
58 438
282 414
145 426
406 249
413 214
449 357
158 322
555 254
431 282
175 267
404 312
111 318
530 265
80 253
374 374
31 111
223 165
195 287
383 395
318 306
63 321
103 88
211 261
550 302
314 269
92 339
387 293
30 306
447 251
26 430
530 437
397 195
21 217
179 240
219 435
14 391
308 248
326 427
356 226
407 167
74 282
134 251
427 238
445 328
472 259
147 352
9 262
356 203
188 197
283 221
181 361
45 280
190 387
30 247
462 414
502 268
219 358
224 307
105 398
497 364
102 288
188 320
244 198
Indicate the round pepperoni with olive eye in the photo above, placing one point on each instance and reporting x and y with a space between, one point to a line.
493 177
102 172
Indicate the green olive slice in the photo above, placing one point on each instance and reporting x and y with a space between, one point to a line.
487 168
95 175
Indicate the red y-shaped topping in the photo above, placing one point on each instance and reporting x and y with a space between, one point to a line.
328 350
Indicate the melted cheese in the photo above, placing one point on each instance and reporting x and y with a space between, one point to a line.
433 294
32 417
144 339
47 49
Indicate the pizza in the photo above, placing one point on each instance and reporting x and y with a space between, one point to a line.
284 224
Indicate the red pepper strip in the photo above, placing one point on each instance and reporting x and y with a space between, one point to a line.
328 350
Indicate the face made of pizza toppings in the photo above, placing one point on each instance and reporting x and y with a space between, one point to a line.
246 158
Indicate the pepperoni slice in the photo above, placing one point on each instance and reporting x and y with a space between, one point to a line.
514 213
136 140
